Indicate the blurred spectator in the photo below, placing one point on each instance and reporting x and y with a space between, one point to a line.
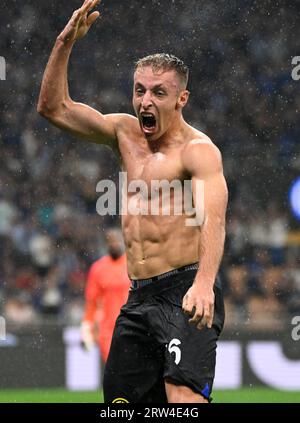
19 310
51 299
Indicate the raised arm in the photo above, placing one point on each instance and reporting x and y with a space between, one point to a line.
203 161
55 103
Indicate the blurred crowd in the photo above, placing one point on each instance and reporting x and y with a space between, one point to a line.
242 96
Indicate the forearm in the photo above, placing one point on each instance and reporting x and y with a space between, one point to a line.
54 89
211 248
90 311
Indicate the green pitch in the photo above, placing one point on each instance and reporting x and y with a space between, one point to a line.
263 395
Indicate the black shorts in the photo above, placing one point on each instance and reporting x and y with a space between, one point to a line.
153 342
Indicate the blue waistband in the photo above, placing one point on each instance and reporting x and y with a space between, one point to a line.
139 283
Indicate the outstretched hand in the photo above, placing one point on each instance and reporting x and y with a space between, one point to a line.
80 22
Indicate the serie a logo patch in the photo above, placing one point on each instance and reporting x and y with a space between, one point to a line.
120 400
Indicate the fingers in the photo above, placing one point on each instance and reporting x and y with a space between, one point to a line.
92 18
186 307
211 316
195 312
88 5
201 314
196 315
85 8
207 317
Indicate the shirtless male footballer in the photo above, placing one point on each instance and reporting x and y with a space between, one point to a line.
164 342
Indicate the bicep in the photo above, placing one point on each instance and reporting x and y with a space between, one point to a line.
204 162
214 195
85 122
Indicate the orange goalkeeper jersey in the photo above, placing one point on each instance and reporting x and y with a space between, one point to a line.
106 289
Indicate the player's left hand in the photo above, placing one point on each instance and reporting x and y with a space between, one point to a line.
198 303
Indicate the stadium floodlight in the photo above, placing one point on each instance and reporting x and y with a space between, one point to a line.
294 198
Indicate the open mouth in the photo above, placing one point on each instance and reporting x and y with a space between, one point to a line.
148 121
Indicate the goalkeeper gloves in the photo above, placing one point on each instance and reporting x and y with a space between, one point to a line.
87 336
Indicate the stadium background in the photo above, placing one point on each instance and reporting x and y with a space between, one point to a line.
242 96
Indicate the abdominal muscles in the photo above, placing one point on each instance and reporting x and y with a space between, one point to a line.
157 244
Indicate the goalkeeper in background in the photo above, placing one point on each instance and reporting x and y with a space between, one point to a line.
105 293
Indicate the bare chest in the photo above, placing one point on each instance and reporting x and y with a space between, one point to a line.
140 164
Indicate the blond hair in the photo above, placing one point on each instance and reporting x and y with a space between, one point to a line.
165 62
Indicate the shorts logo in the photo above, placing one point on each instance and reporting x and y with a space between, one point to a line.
173 348
120 400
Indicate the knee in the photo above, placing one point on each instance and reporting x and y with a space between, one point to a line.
182 394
